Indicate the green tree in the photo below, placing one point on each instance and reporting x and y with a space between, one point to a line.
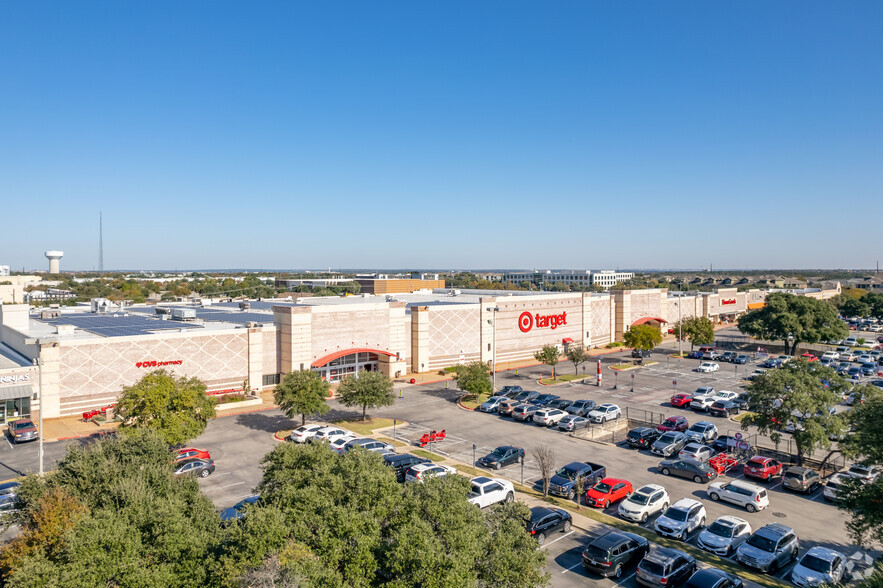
698 330
576 355
549 355
368 390
643 337
176 407
802 393
849 306
793 320
474 378
303 393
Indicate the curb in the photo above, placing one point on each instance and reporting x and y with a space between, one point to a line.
460 404
277 437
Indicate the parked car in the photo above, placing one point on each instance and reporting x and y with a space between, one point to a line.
723 408
724 443
687 468
369 444
706 367
669 444
701 403
727 356
608 491
820 565
543 399
611 552
238 510
769 548
488 491
502 456
725 395
423 471
762 468
695 354
701 432
742 359
724 535
573 422
743 400
8 505
673 423
525 396
23 430
304 432
713 578
548 417
402 462
641 354
605 412
560 403
696 451
563 482
9 488
864 472
506 407
644 502
491 404
509 391
524 412
755 374
642 437
330 434
665 567
581 407
199 467
680 519
337 446
749 496
681 400
544 521
801 479
192 453
709 353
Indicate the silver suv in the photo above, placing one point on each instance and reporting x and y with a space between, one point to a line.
670 443
752 498
702 432
769 548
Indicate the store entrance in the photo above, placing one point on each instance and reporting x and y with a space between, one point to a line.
348 365
15 408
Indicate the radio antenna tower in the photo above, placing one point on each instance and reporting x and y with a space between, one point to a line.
100 244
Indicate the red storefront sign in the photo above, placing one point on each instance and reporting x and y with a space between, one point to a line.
147 364
728 301
527 321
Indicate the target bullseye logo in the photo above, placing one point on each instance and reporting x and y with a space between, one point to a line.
525 322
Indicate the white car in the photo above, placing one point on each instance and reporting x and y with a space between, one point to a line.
819 566
487 491
680 519
604 412
724 535
644 502
338 444
707 367
831 355
865 473
304 432
424 471
330 434
831 490
548 417
725 395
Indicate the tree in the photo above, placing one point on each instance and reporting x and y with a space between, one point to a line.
545 457
348 513
802 393
303 393
176 407
549 356
793 320
577 355
642 337
474 378
849 306
699 330
368 390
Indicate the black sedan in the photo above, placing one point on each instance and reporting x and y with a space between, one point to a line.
502 456
544 521
713 578
723 408
687 468
238 510
199 467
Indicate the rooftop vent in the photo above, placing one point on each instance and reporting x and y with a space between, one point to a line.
244 305
183 314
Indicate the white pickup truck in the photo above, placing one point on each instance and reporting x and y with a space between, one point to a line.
488 491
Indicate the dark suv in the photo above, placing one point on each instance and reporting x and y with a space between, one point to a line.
642 437
401 462
665 567
525 396
509 391
544 521
609 553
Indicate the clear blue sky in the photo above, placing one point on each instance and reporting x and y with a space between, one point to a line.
442 134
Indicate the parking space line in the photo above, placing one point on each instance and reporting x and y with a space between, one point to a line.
558 539
571 568
225 486
627 578
7 442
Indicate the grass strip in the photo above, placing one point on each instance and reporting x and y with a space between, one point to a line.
564 378
428 455
366 427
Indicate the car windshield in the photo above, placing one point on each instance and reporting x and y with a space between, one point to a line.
762 543
668 438
566 472
640 498
23 425
602 487
499 452
676 514
720 530
698 428
816 564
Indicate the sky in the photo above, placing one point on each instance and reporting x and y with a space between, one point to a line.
447 135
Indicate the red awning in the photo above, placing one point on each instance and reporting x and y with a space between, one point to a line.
566 340
332 356
647 319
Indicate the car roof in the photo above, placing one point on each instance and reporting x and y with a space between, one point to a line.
799 469
775 530
538 512
611 539
730 520
194 460
507 447
663 554
703 423
693 446
824 553
686 503
649 489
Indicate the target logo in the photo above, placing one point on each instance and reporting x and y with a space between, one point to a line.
525 322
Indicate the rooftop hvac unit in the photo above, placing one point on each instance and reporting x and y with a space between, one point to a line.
252 324
244 305
50 314
162 310
183 314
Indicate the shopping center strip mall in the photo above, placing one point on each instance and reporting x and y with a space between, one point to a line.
82 357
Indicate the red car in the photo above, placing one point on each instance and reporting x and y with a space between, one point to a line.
762 468
675 423
192 453
681 400
809 357
607 491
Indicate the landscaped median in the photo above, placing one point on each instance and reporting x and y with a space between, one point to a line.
359 427
562 379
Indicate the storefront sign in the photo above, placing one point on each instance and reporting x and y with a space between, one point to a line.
146 364
527 321
15 378
728 301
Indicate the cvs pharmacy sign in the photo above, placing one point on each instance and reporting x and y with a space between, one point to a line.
527 321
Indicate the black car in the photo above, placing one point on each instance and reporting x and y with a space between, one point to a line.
199 467
502 456
723 408
639 354
543 399
741 359
509 391
610 553
525 395
544 521
665 567
401 462
742 401
560 404
727 356
713 578
687 468
238 510
642 437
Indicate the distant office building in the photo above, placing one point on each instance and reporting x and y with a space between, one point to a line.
609 278
4 270
386 285
605 278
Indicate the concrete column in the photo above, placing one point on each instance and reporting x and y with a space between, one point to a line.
255 358
622 311
419 338
486 328
585 337
295 328
50 394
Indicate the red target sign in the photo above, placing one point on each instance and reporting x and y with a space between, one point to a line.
525 322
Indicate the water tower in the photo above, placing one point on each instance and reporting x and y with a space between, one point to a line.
54 257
